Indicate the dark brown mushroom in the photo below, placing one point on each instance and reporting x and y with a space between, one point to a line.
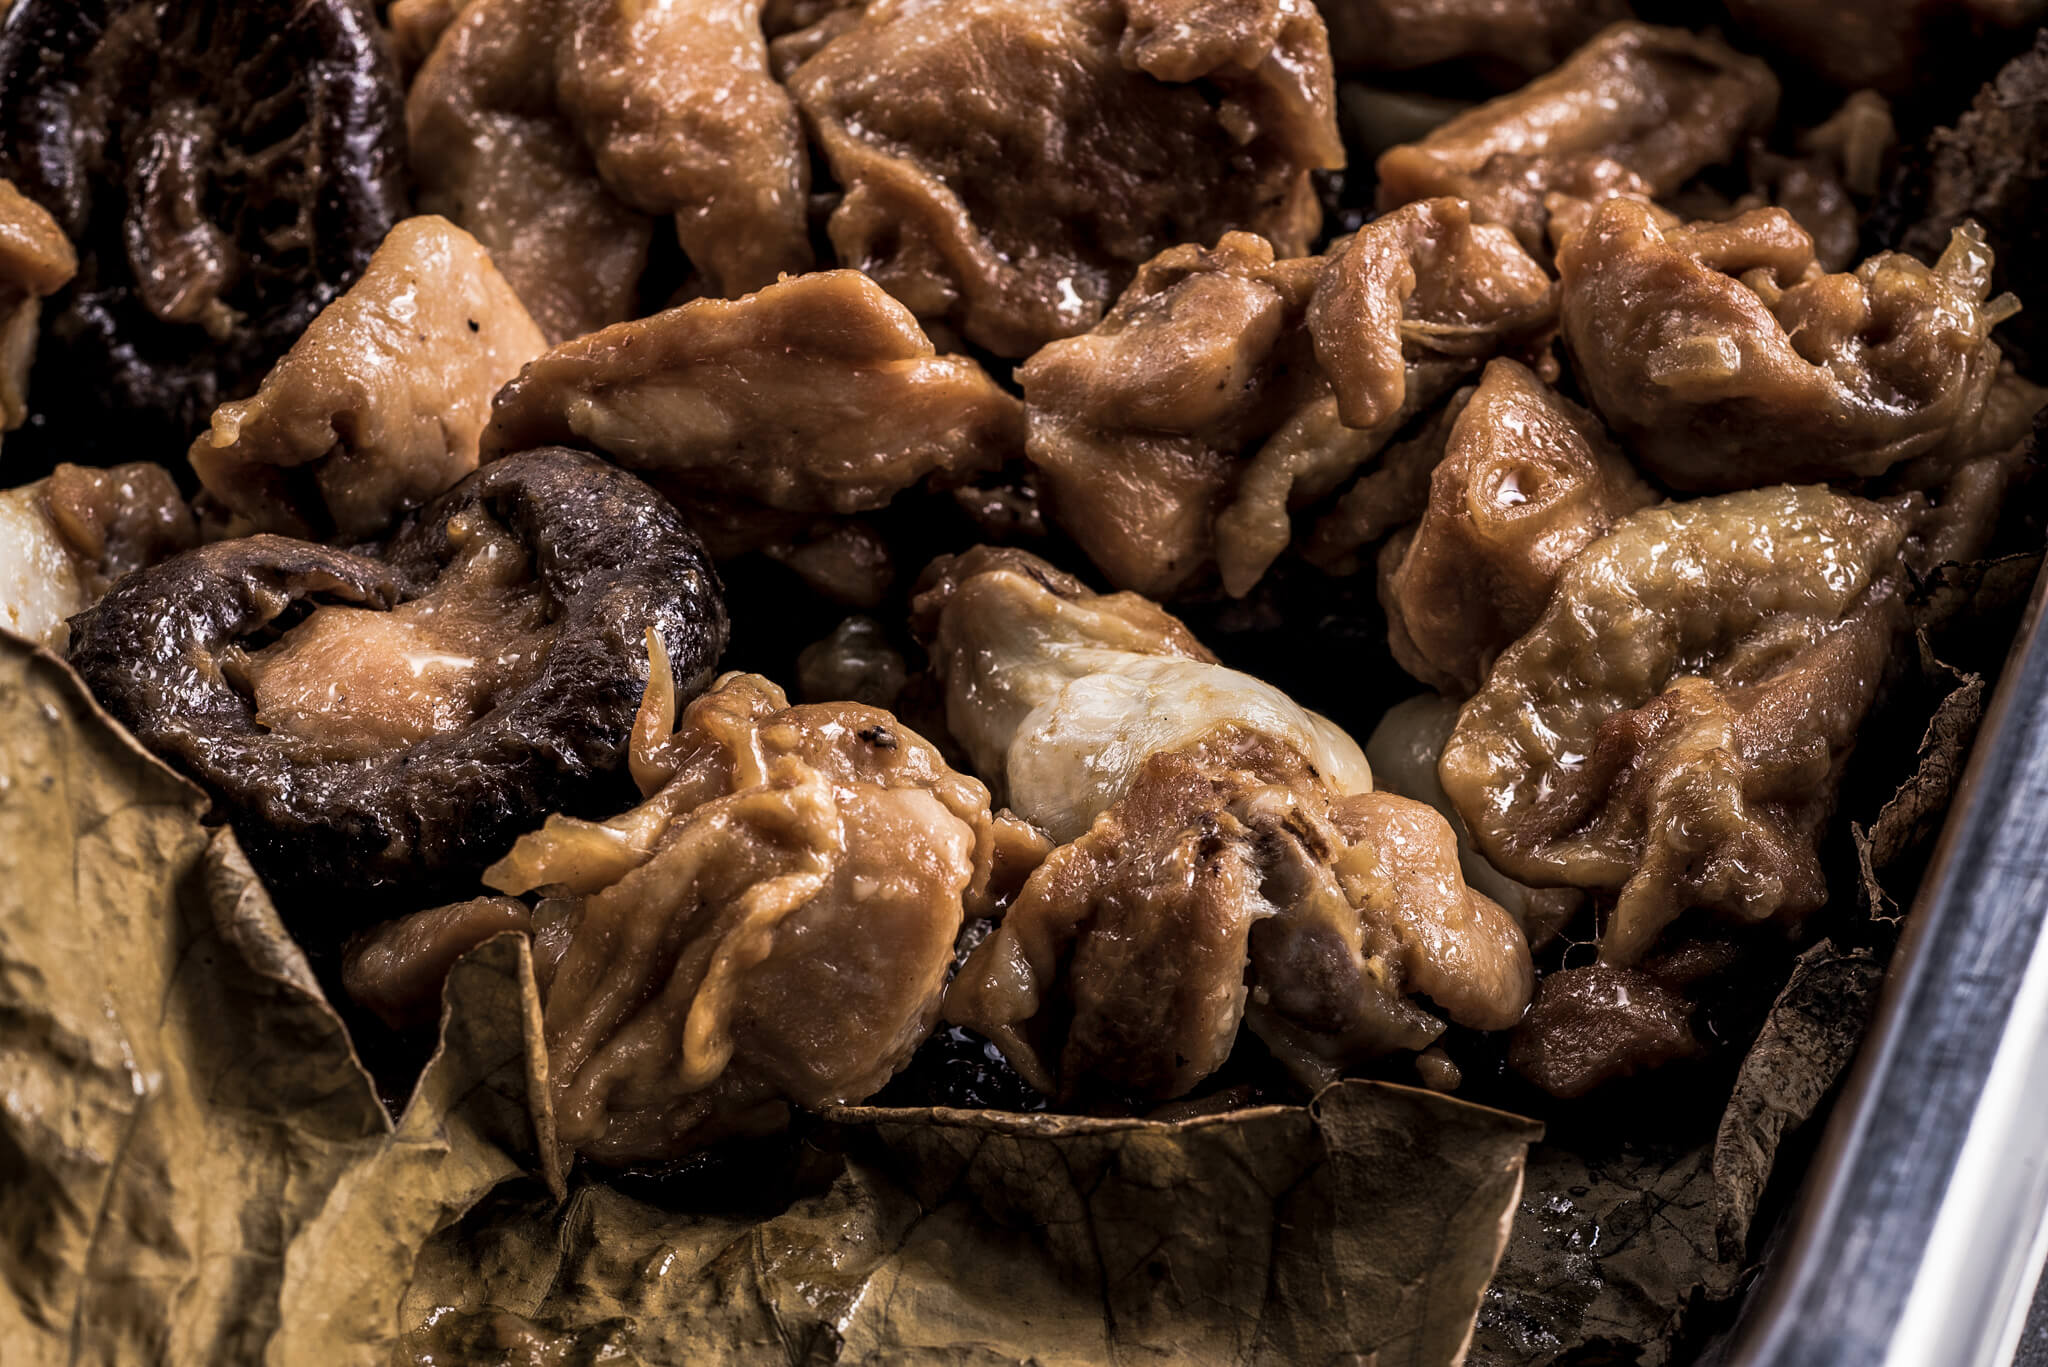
548 568
224 171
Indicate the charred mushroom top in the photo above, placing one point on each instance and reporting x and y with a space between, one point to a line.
426 791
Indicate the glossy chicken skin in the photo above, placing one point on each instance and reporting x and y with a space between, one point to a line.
1528 480
1674 726
772 925
818 394
1229 885
1059 695
555 134
1404 750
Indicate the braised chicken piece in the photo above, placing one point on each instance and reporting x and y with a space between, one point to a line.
67 537
1225 859
1230 389
378 406
1228 884
1673 728
1853 44
819 394
1589 1026
555 134
36 260
1724 357
1403 751
1636 112
773 418
771 926
1009 164
1058 694
1516 38
1528 480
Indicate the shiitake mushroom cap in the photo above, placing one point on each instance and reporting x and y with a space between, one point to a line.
225 169
614 559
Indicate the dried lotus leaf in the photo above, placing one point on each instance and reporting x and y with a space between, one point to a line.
202 1171
1806 1043
1365 1224
1609 1256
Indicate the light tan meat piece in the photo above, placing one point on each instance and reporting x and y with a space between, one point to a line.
674 99
554 131
1009 164
1403 751
1517 38
379 404
1228 390
1724 357
1635 112
416 25
36 260
772 926
1528 480
1228 885
1854 44
1058 694
68 536
492 150
1674 727
819 394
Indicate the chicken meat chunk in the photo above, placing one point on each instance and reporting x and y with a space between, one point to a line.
1528 480
1232 388
1636 112
65 538
557 133
771 926
379 405
1009 164
1673 727
1724 357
